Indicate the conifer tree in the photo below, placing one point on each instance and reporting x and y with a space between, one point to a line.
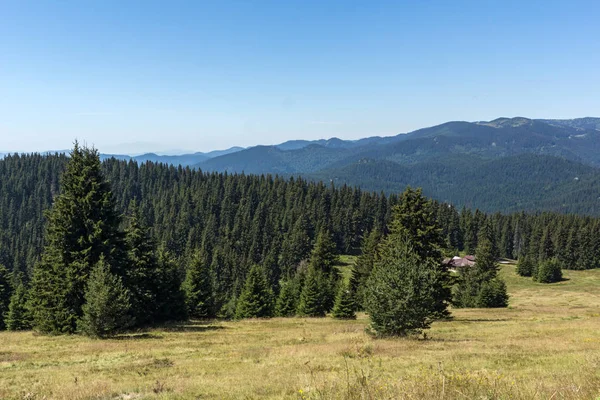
507 240
198 287
415 215
323 255
296 245
18 317
486 266
479 285
107 306
5 294
83 225
141 275
492 294
402 289
256 299
345 306
546 246
314 296
171 302
287 301
548 271
364 265
413 218
525 267
323 258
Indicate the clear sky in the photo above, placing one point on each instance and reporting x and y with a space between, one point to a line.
134 76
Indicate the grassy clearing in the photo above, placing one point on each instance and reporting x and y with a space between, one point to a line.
546 345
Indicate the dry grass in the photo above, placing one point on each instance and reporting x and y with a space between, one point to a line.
546 345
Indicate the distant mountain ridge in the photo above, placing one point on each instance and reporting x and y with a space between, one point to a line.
183 159
570 139
506 164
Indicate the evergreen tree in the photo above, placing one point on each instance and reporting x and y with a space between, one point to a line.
256 299
314 295
345 306
5 294
296 245
364 265
83 225
198 287
287 301
107 306
323 258
413 218
479 285
141 275
171 301
486 266
415 215
18 317
546 247
402 292
467 290
548 271
492 294
507 240
525 267
323 255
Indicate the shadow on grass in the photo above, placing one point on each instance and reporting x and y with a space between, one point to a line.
193 326
190 326
137 336
446 340
469 320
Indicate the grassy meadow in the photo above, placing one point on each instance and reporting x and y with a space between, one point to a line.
546 345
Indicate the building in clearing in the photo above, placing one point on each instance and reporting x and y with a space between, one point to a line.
457 262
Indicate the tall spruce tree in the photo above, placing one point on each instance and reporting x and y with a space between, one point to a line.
198 287
479 285
5 294
287 301
141 275
323 255
323 258
256 299
171 304
314 295
345 306
83 225
18 317
415 215
402 291
414 219
107 306
364 265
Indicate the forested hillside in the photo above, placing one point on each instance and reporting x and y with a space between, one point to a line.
240 218
523 182
243 219
114 245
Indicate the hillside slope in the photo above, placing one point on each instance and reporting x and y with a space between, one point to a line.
522 182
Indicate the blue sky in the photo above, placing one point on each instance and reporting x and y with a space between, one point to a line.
134 76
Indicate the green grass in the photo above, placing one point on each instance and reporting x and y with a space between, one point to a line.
546 345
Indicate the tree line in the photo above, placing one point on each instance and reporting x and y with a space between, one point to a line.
149 243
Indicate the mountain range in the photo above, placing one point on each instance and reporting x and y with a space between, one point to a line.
508 164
